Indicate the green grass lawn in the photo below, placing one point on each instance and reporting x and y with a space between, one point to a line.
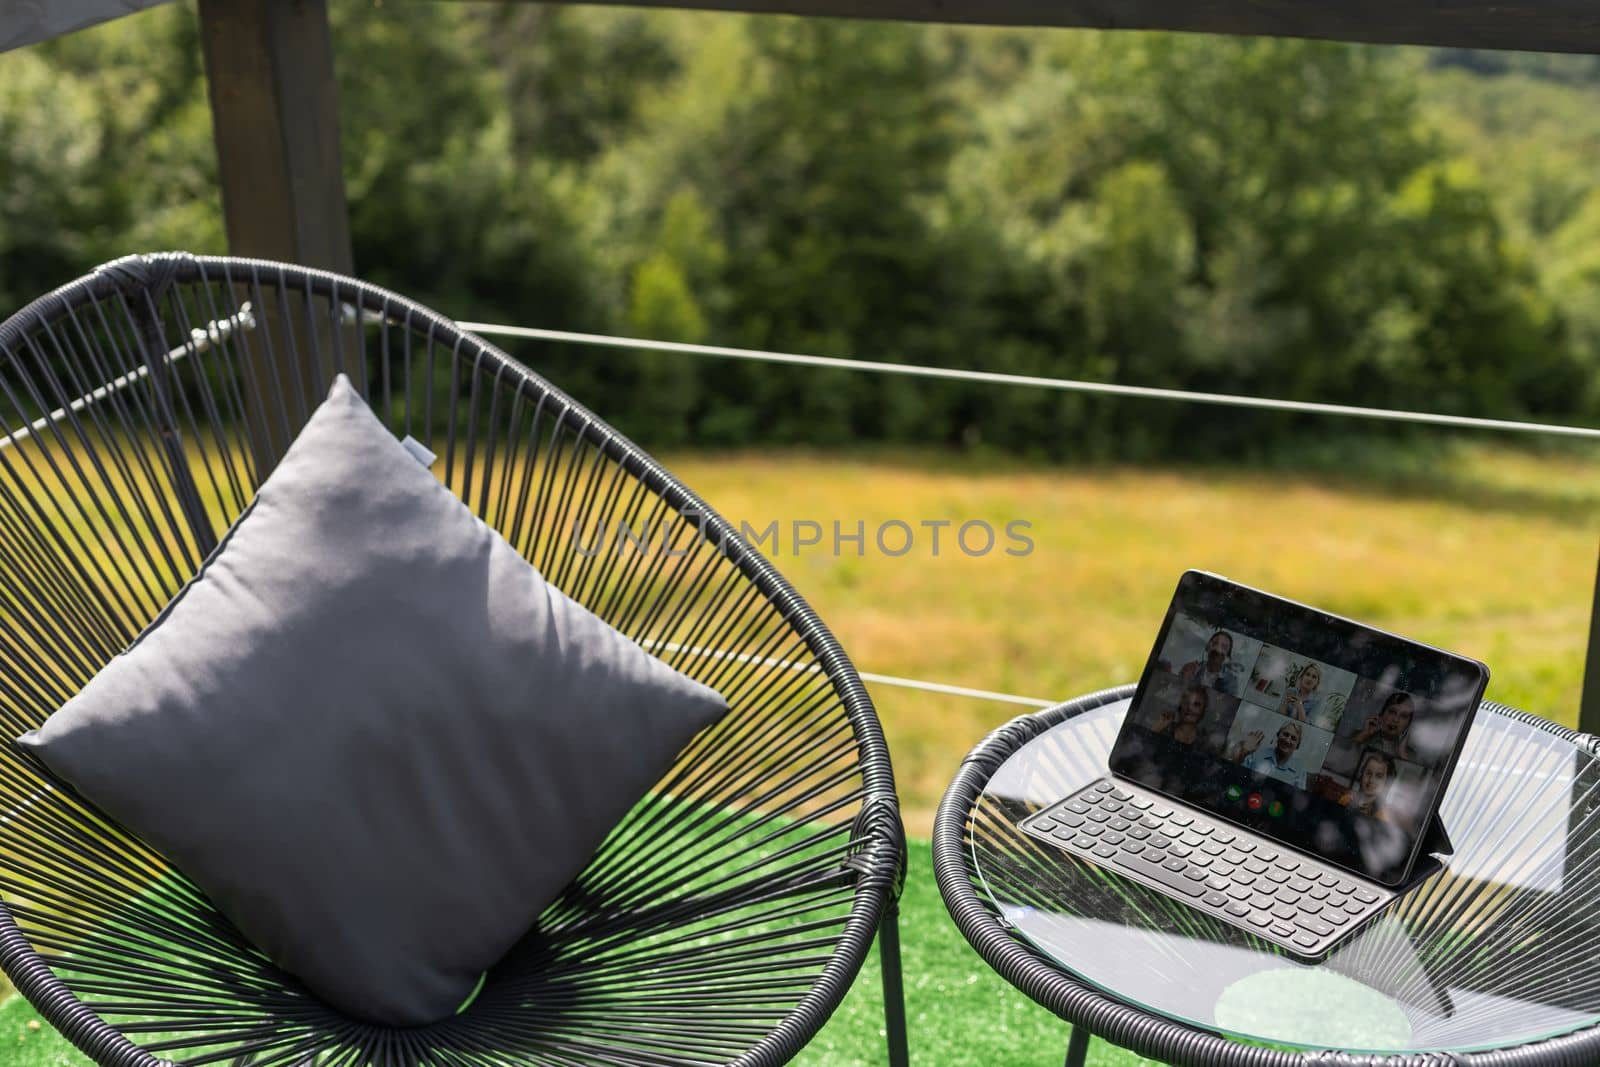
1484 550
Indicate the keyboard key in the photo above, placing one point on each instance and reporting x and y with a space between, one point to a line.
1261 903
1078 807
1102 787
1134 847
1267 854
1192 840
1099 816
1222 837
1318 893
1284 912
1176 866
1259 918
1365 897
1329 881
1224 869
1113 838
1305 940
1105 852
1277 875
1335 916
1160 811
1281 928
1217 884
1180 819
1138 833
1158 873
1044 824
1157 842
1211 848
1237 910
1244 846
1239 892
1200 860
1083 843
1352 908
1215 899
1121 794
1287 896
1316 926
1092 829
1180 851
1255 866
1141 803
1193 874
1119 823
1311 907
1071 820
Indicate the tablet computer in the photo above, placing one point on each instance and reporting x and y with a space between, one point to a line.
1327 735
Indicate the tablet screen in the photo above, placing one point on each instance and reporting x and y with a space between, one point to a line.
1327 735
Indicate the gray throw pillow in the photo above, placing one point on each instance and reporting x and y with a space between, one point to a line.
370 731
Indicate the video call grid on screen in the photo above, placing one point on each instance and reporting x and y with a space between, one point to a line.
1346 746
1364 722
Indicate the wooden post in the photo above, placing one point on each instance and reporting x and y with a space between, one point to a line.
275 116
275 120
1589 710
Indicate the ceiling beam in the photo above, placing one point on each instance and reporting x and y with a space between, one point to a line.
1526 25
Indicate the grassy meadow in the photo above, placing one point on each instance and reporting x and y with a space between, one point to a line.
1479 548
1489 552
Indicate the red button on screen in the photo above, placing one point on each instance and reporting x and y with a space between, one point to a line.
1253 801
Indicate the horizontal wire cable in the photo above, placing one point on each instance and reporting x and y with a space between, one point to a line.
220 329
866 676
1069 385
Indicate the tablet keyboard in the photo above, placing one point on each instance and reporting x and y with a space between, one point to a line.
1282 896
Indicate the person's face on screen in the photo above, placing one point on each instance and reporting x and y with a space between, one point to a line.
1395 719
1288 740
1218 649
1374 776
1191 708
1309 679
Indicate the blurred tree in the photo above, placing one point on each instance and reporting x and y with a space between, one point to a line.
1280 218
572 80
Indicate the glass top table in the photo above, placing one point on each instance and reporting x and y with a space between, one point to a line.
1500 947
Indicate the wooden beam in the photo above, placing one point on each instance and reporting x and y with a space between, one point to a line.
1526 25
1589 710
275 120
275 117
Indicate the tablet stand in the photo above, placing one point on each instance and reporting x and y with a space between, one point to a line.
1435 843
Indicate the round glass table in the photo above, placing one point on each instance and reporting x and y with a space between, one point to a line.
1495 957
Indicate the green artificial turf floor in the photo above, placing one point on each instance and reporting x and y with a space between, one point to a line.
958 1011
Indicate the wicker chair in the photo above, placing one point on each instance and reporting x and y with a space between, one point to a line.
722 921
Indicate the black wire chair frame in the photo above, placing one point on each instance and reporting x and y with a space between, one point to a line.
1090 1009
722 921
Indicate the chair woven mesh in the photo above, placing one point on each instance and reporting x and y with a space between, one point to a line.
723 920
